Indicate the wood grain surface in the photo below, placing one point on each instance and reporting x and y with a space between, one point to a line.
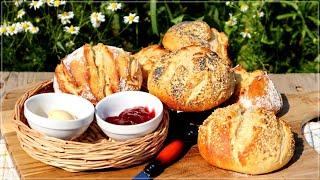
301 98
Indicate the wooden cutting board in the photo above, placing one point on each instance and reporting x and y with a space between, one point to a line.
298 109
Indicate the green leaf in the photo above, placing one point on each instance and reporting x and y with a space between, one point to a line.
200 18
60 46
317 59
314 20
177 19
292 4
285 16
216 17
153 14
265 40
116 24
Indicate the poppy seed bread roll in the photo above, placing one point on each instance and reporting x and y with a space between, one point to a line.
199 33
185 34
246 141
147 57
191 79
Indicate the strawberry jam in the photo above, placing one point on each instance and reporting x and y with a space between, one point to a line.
131 116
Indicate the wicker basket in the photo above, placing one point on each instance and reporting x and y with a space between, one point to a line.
92 150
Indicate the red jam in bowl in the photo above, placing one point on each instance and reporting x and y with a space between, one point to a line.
131 116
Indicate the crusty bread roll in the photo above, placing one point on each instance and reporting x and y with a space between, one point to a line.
191 79
256 90
185 34
197 33
147 56
246 141
94 72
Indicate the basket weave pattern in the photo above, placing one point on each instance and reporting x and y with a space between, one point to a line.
92 150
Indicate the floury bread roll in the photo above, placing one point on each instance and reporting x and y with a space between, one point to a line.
147 57
256 90
191 79
199 33
94 72
246 141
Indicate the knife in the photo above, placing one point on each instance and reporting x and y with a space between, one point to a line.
170 153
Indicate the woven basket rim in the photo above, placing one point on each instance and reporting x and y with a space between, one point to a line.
54 151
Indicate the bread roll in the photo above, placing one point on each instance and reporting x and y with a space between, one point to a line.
191 79
147 57
185 34
256 90
197 33
95 72
246 141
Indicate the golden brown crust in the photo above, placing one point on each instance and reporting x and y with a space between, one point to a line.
93 72
66 80
79 72
191 79
95 86
256 90
185 34
197 33
129 72
247 141
147 57
104 58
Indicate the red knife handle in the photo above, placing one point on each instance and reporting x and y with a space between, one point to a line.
171 152
168 155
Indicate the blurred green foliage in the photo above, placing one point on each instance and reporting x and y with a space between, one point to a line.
278 37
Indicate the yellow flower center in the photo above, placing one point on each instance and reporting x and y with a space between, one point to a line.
25 25
2 30
95 16
71 29
131 18
11 29
64 14
56 3
114 5
33 29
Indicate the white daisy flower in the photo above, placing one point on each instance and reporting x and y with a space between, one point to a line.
21 13
72 29
26 25
56 3
232 20
131 18
261 14
65 17
35 4
245 34
228 3
33 29
17 3
114 6
96 18
12 29
19 27
3 29
244 7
